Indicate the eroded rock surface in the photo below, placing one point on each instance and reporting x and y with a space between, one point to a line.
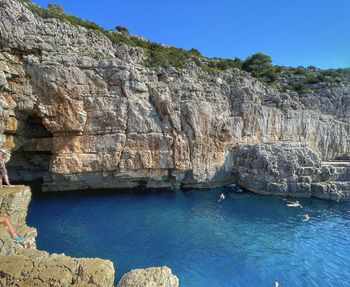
21 264
291 169
41 269
80 112
150 277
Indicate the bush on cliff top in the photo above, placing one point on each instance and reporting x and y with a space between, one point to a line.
161 55
56 11
157 54
259 65
122 29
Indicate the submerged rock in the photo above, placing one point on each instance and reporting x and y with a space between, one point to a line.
150 277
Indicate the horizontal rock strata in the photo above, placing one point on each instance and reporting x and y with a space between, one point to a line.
291 170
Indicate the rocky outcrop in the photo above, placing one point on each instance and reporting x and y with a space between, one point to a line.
41 269
290 169
14 203
23 265
150 277
79 112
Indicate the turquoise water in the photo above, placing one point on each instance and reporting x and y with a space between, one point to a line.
246 240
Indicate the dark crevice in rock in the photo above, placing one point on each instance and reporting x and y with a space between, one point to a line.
32 154
161 77
25 52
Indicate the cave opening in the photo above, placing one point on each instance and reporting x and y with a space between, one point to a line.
31 156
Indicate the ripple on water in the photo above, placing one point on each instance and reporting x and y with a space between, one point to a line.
246 240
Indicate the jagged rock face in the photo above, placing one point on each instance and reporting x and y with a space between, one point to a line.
150 277
81 112
289 169
21 264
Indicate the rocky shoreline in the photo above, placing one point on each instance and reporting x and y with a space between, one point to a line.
291 169
80 112
21 264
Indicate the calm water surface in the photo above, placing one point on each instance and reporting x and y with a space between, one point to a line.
246 240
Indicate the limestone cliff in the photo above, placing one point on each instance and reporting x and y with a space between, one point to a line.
79 112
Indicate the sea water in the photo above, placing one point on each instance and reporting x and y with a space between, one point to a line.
245 240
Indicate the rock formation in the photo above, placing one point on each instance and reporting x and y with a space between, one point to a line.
150 277
80 112
23 265
291 169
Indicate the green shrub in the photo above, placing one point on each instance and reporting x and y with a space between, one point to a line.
312 80
122 29
330 73
223 64
299 87
270 75
300 71
317 79
195 52
257 63
55 8
311 67
260 66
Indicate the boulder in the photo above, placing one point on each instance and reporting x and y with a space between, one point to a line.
150 277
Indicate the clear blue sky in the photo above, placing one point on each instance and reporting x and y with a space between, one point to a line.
293 32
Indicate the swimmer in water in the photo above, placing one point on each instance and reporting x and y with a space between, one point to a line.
222 197
276 284
306 217
238 189
294 204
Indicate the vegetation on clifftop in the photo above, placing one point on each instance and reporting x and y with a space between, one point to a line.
260 66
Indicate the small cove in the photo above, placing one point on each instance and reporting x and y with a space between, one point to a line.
246 240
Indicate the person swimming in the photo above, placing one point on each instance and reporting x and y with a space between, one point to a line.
222 197
276 284
306 217
294 204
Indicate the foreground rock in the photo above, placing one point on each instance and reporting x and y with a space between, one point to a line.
41 269
150 277
24 265
14 203
290 169
79 112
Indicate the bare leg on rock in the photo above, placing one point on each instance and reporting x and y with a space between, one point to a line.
4 219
